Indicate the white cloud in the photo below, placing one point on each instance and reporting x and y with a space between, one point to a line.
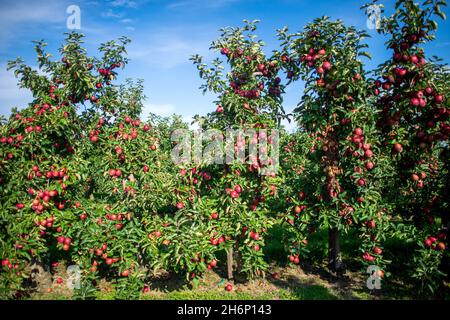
163 109
18 15
166 55
111 14
124 3
10 94
442 44
165 49
188 119
200 3
32 11
289 126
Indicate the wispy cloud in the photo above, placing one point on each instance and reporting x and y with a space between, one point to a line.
200 3
170 47
442 44
11 95
111 14
124 3
30 11
164 109
20 18
126 20
163 51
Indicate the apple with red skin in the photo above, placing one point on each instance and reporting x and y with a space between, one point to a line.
228 287
371 224
180 205
368 153
377 250
219 109
397 148
215 215
369 165
326 65
438 98
368 257
442 236
254 236
358 131
415 102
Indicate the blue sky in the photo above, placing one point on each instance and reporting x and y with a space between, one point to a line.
164 34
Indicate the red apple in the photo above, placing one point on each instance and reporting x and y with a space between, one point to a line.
180 205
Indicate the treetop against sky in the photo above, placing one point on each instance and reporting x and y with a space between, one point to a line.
165 34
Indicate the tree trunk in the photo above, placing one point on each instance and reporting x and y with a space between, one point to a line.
334 250
230 263
238 258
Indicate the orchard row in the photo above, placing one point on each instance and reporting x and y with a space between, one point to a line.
84 181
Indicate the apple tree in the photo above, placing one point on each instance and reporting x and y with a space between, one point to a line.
249 99
413 99
343 189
